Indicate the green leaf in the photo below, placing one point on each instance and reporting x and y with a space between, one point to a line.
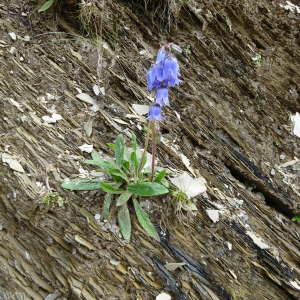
296 218
123 198
125 166
109 188
98 161
159 169
147 189
165 183
83 185
144 220
118 173
124 221
106 206
133 142
158 178
46 5
119 149
126 154
112 146
135 163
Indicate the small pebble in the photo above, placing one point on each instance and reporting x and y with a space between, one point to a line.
282 156
97 216
273 172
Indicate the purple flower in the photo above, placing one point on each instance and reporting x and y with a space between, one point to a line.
157 72
170 70
152 84
155 113
162 96
161 55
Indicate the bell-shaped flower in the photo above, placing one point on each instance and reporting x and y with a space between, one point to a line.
157 72
152 84
155 113
162 96
161 55
170 70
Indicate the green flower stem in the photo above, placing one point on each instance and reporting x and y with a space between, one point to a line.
153 149
146 146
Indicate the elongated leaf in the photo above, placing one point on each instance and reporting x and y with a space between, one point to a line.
109 188
112 146
147 189
82 185
46 5
144 220
159 169
119 149
134 162
106 206
165 183
116 178
98 161
118 173
124 221
124 198
133 142
125 166
126 154
159 177
113 164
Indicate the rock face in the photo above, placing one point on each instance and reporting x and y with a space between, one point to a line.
231 117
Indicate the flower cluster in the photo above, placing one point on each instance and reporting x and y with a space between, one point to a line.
161 75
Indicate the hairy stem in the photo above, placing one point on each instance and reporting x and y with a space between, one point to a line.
146 146
153 150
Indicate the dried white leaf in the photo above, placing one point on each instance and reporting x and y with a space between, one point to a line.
142 52
96 89
15 165
213 214
102 90
6 158
141 109
12 35
86 148
163 296
296 123
114 262
177 114
88 127
27 38
290 6
229 245
53 119
288 163
173 266
97 216
85 98
192 187
76 54
13 50
295 285
257 240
